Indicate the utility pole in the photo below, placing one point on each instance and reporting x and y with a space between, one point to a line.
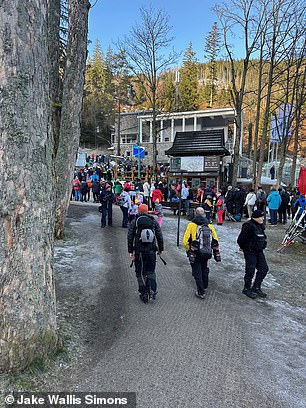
138 142
118 131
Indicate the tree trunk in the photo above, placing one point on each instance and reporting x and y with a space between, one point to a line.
236 148
71 107
256 183
266 119
54 12
27 296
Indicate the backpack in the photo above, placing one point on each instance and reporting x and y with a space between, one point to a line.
145 233
261 197
121 200
202 244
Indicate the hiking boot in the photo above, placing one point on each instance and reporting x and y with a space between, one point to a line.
200 296
144 297
154 295
259 292
249 293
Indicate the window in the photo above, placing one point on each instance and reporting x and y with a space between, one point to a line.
129 138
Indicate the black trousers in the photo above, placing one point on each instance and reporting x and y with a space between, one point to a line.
200 273
145 264
255 261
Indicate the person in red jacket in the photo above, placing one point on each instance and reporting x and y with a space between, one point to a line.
157 194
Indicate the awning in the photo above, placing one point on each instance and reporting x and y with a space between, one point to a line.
199 143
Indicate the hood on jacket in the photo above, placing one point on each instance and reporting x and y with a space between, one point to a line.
200 220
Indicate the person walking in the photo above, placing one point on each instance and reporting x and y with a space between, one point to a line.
229 200
144 240
146 191
107 198
274 201
76 184
125 203
117 189
250 201
282 209
220 204
208 207
261 198
200 231
253 240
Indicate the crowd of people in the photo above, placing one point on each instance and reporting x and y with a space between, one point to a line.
139 201
235 203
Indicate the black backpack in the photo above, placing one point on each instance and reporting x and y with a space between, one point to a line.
145 233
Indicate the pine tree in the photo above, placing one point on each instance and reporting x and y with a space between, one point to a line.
212 48
188 86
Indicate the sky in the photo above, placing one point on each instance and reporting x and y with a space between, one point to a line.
191 21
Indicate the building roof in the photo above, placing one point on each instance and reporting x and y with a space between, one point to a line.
198 143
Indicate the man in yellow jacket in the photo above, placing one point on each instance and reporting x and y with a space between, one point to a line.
200 240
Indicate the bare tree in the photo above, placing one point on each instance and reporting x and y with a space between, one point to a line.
300 99
73 85
246 16
280 18
145 47
288 95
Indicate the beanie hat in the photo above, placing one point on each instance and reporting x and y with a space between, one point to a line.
107 185
257 214
143 208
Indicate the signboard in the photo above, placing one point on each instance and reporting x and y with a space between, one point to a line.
175 164
211 163
138 151
193 164
81 159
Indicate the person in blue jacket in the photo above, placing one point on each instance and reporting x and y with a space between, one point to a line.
300 205
274 201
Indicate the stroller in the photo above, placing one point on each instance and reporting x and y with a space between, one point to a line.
294 231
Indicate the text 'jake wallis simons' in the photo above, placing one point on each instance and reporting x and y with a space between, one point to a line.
71 399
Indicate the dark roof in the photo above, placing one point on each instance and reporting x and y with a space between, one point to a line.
202 142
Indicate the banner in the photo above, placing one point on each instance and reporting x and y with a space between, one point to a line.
281 125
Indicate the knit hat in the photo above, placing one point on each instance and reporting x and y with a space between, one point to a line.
143 208
257 214
107 185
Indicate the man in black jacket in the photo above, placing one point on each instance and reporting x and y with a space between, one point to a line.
144 240
107 198
252 240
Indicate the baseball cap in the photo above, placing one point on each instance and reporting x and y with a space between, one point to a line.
257 214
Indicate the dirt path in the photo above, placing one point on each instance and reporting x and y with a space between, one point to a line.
225 351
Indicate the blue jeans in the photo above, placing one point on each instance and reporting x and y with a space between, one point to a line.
109 211
273 216
77 195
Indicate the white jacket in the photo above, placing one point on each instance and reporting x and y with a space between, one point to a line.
250 199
